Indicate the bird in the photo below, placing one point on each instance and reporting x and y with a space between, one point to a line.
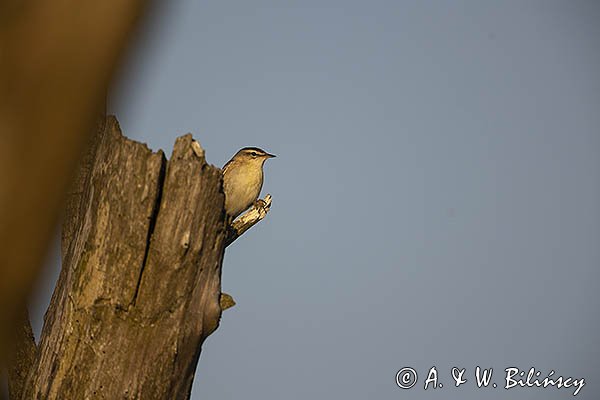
243 180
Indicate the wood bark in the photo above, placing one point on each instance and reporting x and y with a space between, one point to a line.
140 283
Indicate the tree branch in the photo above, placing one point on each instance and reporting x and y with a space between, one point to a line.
250 218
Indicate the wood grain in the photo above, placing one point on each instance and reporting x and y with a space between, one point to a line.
140 284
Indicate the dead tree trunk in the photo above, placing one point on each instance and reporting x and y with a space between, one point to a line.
140 282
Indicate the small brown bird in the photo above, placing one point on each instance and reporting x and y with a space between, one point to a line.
243 179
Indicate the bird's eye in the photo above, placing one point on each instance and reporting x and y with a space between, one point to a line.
253 154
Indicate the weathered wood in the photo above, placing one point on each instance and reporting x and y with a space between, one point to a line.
253 216
226 301
80 185
140 284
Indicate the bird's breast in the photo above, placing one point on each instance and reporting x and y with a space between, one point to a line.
242 188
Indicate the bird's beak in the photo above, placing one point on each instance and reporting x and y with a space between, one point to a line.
270 155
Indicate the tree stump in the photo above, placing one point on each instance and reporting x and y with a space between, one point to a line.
140 283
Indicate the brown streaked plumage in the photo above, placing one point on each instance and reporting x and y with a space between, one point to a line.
243 179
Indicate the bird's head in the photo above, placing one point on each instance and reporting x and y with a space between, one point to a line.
252 155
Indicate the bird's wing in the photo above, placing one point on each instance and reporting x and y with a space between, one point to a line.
226 166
